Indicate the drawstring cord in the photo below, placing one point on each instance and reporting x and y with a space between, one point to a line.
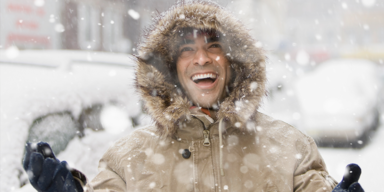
220 143
221 146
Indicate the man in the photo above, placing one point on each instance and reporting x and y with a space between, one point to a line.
202 79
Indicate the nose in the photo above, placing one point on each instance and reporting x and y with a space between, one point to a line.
202 57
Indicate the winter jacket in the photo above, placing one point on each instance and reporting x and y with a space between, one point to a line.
237 149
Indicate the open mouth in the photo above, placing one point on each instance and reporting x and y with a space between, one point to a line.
206 78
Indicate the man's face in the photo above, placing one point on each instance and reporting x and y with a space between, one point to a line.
202 69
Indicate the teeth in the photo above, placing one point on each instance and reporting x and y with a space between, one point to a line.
204 76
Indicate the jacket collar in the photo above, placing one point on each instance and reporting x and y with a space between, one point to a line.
193 129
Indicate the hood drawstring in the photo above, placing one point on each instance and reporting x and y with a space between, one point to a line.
221 146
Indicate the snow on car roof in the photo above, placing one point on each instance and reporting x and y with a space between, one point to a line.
342 81
56 58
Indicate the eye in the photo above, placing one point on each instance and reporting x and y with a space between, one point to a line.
215 45
186 49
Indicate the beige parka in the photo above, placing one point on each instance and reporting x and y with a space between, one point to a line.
237 149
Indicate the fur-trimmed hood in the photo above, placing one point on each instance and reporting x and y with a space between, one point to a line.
164 100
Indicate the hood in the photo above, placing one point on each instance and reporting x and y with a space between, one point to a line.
155 75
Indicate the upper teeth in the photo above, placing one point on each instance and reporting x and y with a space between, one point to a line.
203 76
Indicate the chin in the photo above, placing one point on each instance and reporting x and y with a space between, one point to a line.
205 103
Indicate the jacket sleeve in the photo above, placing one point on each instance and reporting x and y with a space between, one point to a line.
311 174
106 180
111 176
114 165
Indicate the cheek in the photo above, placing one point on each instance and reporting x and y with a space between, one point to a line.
226 68
181 72
229 74
178 73
179 69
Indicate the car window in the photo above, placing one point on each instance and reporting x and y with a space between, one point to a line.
90 118
57 129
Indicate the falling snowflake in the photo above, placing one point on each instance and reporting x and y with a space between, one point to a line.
344 5
149 151
152 185
244 169
39 3
248 184
368 3
253 85
158 159
12 52
302 57
135 15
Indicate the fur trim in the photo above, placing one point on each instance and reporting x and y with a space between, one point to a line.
165 102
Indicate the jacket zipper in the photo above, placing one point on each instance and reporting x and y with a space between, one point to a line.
206 138
206 142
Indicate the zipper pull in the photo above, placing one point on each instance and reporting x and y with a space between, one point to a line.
206 138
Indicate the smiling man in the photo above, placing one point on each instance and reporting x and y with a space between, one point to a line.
202 79
202 68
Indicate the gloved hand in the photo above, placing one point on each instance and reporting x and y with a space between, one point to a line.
350 180
45 172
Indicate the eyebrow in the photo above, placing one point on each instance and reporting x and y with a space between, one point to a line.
213 39
192 41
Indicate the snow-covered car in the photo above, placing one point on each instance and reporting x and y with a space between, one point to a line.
78 101
281 102
339 102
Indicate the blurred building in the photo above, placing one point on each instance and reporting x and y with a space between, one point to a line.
328 28
98 25
264 19
29 24
95 25
320 29
323 29
362 31
81 24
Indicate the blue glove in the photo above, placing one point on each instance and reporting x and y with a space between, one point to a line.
350 180
45 172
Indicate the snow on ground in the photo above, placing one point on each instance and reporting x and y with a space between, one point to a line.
369 158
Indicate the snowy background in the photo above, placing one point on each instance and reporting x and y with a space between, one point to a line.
66 77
